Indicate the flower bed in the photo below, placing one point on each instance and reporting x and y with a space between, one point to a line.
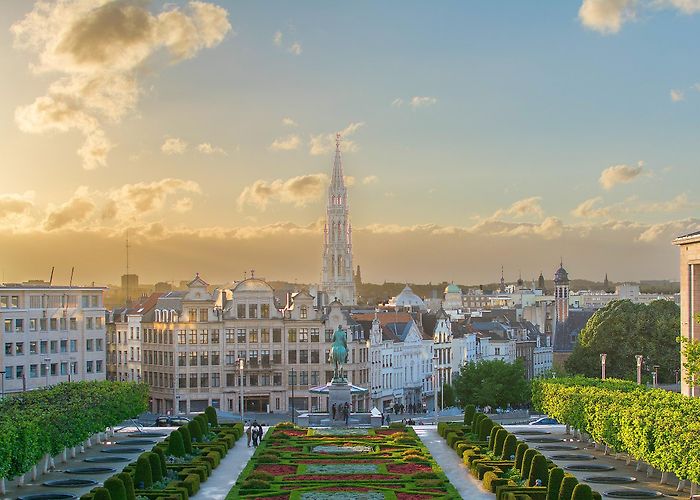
342 464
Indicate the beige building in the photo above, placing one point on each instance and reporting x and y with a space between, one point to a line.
689 246
50 334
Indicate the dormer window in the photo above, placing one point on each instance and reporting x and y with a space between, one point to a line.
303 312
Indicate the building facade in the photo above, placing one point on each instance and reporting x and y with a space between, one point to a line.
51 334
689 246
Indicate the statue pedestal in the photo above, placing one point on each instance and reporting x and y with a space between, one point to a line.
338 395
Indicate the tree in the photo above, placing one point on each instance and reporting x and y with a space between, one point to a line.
691 355
446 397
622 330
492 383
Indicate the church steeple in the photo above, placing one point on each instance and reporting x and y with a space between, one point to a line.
337 179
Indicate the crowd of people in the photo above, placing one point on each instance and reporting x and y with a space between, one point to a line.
254 432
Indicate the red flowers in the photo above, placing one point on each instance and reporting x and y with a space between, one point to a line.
343 477
413 496
277 470
408 468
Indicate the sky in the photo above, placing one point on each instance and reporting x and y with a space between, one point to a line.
475 135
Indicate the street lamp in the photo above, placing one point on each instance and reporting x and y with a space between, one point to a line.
47 363
2 384
639 358
71 367
293 384
241 365
603 357
435 384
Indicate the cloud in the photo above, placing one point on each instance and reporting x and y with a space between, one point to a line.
620 174
99 49
521 208
288 143
587 209
208 149
590 208
183 205
322 144
676 204
677 95
349 180
422 101
299 191
14 207
397 103
141 198
295 49
173 146
77 209
288 122
606 16
277 38
370 179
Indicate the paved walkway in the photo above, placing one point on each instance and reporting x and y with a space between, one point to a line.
453 467
225 475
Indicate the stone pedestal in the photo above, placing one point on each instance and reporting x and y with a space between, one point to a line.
338 395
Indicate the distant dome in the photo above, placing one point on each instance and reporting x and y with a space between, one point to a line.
409 299
561 276
252 285
452 288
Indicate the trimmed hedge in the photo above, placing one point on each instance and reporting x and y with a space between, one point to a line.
144 476
567 487
538 470
210 412
469 412
582 492
116 488
556 475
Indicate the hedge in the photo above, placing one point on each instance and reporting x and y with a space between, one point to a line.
656 426
35 423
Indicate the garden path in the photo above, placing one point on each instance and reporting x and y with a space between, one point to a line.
225 475
451 465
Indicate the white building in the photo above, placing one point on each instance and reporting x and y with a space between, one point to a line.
51 334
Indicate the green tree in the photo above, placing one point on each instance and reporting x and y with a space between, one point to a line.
446 397
493 383
691 354
622 330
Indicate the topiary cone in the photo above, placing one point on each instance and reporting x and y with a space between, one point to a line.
195 431
176 446
501 435
527 462
509 447
556 475
210 412
143 478
520 454
101 493
128 481
538 470
156 471
469 412
186 438
567 487
116 488
582 492
161 455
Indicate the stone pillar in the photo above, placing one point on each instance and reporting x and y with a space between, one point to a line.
339 394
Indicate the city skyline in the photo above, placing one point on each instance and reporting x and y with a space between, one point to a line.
474 136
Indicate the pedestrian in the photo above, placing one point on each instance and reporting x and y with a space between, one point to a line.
346 413
249 433
260 433
333 410
255 434
388 420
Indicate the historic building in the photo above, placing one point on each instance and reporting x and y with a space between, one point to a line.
337 280
689 246
51 334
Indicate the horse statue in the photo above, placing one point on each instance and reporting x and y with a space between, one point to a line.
339 352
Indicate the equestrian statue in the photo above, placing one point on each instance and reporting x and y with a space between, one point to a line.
339 353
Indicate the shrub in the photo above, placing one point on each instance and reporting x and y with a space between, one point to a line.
425 475
509 446
161 455
491 481
492 436
191 482
100 493
554 483
176 446
116 488
195 431
501 436
396 425
469 412
567 487
128 485
520 454
143 479
186 438
156 471
210 412
265 476
527 462
255 484
485 428
476 422
203 423
538 470
582 492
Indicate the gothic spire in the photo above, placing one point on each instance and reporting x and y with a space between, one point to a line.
337 180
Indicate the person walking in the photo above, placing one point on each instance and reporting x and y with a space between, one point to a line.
346 413
249 433
255 434
260 433
333 410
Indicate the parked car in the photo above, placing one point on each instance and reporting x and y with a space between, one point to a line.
544 421
167 421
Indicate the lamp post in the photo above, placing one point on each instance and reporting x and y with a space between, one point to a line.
603 357
435 386
293 383
47 363
2 384
655 375
71 367
241 365
639 358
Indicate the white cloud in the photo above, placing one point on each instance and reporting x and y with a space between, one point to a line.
588 209
521 208
295 49
208 149
422 101
288 143
620 174
370 179
677 95
74 211
183 205
298 191
606 16
99 49
350 180
397 103
288 122
322 144
277 38
173 146
15 209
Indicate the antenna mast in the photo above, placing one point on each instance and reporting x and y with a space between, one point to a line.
128 298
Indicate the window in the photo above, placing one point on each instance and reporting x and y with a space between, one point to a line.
98 324
303 334
215 336
204 315
265 357
497 351
265 379
253 335
230 337
43 324
54 346
33 347
88 325
182 381
292 377
33 325
204 337
277 356
193 380
303 356
264 311
181 359
43 346
193 359
4 301
94 301
181 337
9 372
314 378
14 301
8 325
265 335
8 348
193 337
215 380
303 312
35 301
204 380
64 369
253 379
277 335
64 345
98 344
304 378
230 358
314 356
329 335
314 335
19 325
33 371
192 315
89 367
252 310
62 324
204 358
240 333
215 356
292 335
73 323
19 371
240 311
241 355
88 345
292 356
277 379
